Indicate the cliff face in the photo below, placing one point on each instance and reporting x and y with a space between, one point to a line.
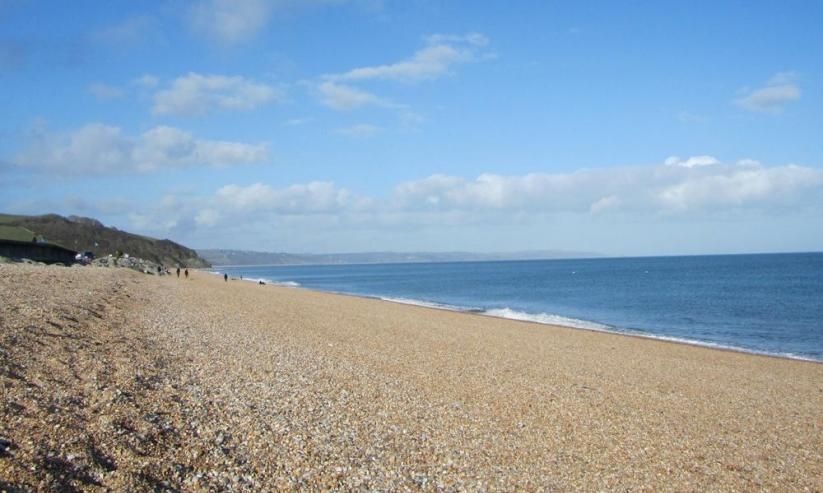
86 234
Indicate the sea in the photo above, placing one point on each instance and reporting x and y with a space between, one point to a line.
766 303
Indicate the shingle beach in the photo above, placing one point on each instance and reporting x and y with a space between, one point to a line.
112 380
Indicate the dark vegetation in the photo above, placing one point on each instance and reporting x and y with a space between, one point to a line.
86 234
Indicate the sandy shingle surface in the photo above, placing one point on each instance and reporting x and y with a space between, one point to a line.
113 380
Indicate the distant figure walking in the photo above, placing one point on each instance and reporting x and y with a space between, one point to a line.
178 272
226 277
187 272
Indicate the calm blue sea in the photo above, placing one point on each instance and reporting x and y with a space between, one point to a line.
769 304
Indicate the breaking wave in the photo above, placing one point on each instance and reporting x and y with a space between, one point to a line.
545 318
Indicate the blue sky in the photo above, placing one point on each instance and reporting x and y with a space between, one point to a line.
627 128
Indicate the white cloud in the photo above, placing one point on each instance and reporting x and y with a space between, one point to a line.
146 81
197 95
207 217
231 21
604 204
577 210
105 92
163 147
433 61
98 148
474 39
645 194
782 78
437 59
644 190
360 130
342 97
427 191
297 122
778 91
748 162
695 184
494 192
738 186
311 198
692 162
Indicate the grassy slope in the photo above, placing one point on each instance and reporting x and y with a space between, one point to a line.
15 233
90 235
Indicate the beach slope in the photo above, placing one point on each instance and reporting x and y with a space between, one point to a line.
115 380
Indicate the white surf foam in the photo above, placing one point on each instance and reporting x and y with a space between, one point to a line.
717 345
257 280
545 318
551 319
266 280
427 304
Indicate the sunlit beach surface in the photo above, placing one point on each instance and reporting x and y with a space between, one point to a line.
115 380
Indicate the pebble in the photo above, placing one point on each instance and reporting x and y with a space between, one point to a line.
244 388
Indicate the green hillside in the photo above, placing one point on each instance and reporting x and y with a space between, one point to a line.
15 233
86 234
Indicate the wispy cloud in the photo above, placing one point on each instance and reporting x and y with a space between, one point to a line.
146 81
310 198
232 22
778 91
441 53
103 149
197 95
360 131
692 162
439 56
344 97
297 122
105 92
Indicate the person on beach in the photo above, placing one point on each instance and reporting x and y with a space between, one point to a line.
186 272
226 277
178 272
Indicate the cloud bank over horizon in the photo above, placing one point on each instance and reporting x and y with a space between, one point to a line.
677 190
661 190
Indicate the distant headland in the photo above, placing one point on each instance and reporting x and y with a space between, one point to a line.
244 257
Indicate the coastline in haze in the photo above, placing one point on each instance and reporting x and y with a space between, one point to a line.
244 257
